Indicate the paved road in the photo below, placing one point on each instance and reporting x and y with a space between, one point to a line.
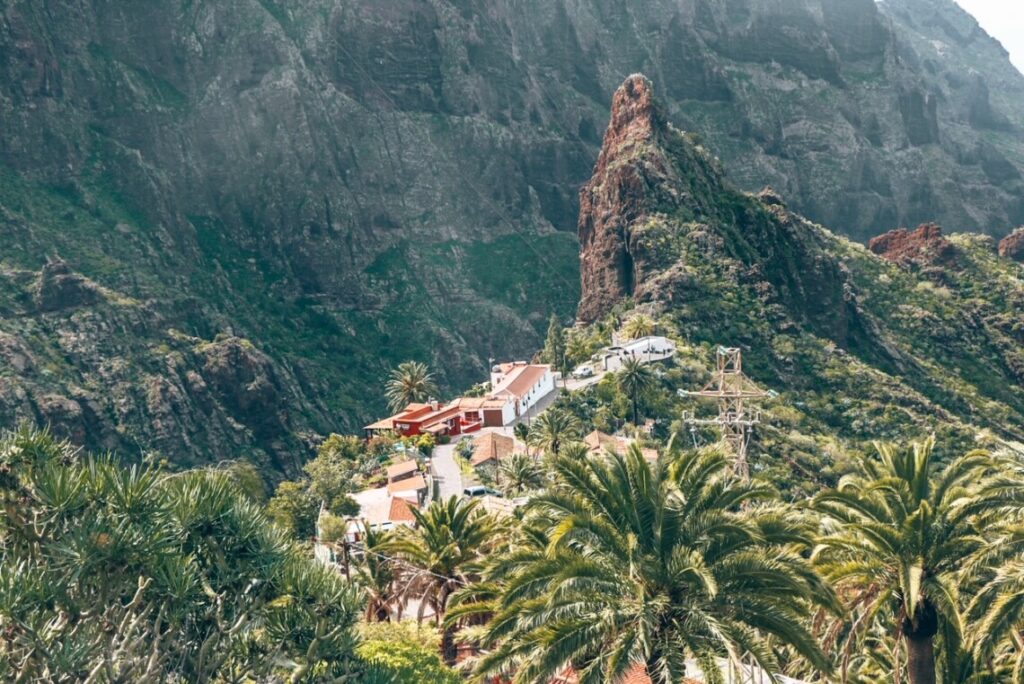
446 471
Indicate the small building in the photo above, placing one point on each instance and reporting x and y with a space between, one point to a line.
599 442
402 470
491 448
523 384
418 419
413 488
478 412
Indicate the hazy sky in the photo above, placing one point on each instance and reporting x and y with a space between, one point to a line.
1003 19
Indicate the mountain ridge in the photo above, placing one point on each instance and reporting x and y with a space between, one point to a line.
920 334
347 186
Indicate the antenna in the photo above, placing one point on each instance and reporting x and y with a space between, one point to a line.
732 389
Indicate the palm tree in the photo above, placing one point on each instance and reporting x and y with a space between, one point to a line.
898 534
638 326
378 575
520 473
635 380
411 382
647 566
553 429
446 550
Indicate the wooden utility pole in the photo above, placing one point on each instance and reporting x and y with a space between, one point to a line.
732 390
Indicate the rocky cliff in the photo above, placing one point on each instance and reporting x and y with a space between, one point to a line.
919 333
348 185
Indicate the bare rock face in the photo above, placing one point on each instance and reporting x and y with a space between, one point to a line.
924 246
243 379
614 198
1012 246
657 216
60 288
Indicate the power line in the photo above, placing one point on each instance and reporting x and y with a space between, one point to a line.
399 561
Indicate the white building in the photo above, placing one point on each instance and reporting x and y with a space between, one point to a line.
522 384
646 349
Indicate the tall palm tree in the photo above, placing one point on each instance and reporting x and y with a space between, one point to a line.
411 382
640 325
553 429
520 473
446 550
635 380
378 576
648 566
898 534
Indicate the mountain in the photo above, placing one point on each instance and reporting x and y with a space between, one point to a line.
222 223
919 332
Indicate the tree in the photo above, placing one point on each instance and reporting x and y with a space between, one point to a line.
340 464
411 382
295 508
405 654
520 473
650 566
635 380
112 573
554 345
553 429
447 546
898 534
521 432
638 326
377 574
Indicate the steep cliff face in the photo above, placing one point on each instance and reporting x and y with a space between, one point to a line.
919 333
349 185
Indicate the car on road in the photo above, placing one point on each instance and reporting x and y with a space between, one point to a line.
583 372
480 490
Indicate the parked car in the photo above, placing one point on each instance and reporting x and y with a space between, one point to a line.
480 490
583 372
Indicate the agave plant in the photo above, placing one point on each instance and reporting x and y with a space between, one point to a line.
112 573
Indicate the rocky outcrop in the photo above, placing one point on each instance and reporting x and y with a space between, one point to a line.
658 204
60 288
862 343
1012 246
615 197
924 246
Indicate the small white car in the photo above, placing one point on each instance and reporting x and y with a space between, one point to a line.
583 372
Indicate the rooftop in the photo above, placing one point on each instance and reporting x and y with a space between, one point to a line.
521 379
402 468
408 485
401 511
492 447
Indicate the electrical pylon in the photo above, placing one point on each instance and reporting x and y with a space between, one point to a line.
732 390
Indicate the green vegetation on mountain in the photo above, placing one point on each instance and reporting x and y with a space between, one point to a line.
265 206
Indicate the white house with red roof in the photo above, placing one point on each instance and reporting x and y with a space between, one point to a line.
522 384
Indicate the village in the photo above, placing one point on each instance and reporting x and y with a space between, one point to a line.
473 436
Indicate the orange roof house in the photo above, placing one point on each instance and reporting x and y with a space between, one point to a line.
598 442
402 470
491 447
401 511
410 486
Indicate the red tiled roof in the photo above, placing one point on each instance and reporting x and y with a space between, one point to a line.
411 484
524 379
401 510
490 447
402 468
389 422
636 675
